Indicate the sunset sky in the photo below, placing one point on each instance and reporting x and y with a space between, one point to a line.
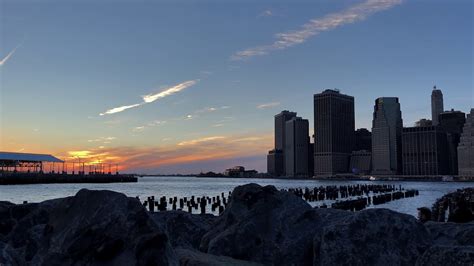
190 86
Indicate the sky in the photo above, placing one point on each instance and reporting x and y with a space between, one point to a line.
190 86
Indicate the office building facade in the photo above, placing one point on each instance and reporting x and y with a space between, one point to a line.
387 127
333 132
466 147
296 149
452 123
424 151
275 163
361 162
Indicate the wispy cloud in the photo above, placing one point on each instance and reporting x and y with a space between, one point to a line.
169 91
10 54
120 109
153 97
201 140
265 13
312 28
268 105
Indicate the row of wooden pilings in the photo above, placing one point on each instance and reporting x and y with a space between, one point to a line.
366 195
216 204
363 202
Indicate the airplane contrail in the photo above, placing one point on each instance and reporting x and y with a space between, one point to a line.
5 59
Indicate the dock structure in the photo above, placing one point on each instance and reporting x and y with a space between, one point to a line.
30 168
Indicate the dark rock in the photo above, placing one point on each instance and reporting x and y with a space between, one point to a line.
93 227
184 229
195 258
447 255
451 233
262 224
373 237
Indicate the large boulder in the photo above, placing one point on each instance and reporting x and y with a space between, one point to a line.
184 229
451 234
373 237
195 258
90 228
268 226
447 255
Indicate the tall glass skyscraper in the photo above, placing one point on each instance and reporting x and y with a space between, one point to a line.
296 150
387 128
334 125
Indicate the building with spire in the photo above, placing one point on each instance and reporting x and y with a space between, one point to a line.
436 105
466 147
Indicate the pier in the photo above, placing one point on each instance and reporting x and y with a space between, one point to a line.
29 168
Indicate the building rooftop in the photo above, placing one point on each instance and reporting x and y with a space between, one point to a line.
28 157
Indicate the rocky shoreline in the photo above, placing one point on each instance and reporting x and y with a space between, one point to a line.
260 226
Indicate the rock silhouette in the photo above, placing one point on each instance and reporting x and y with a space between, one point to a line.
260 226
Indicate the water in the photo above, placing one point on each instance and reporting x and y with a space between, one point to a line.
188 186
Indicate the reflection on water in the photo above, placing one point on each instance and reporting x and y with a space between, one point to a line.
188 186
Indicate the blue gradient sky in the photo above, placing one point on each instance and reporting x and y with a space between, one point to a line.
78 59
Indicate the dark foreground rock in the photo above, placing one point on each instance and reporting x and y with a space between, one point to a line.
265 225
91 228
260 225
373 237
184 229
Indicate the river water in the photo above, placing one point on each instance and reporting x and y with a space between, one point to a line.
189 186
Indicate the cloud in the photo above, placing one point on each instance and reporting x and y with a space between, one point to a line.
138 129
104 140
153 97
312 28
268 105
169 91
201 140
10 54
197 154
120 109
265 13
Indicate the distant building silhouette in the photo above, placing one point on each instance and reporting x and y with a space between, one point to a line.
333 132
466 147
425 151
361 162
362 140
387 127
452 123
296 149
276 157
275 163
423 123
310 158
436 105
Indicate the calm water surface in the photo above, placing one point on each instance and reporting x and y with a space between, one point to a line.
188 186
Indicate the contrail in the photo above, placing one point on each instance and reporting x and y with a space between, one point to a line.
5 59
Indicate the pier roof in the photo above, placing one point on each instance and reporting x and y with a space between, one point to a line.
28 157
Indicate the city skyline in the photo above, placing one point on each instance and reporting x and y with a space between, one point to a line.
135 93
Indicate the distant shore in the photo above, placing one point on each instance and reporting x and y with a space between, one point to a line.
438 178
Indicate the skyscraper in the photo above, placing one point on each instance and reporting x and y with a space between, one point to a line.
436 105
386 136
276 157
452 123
466 147
296 149
424 151
280 124
333 132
